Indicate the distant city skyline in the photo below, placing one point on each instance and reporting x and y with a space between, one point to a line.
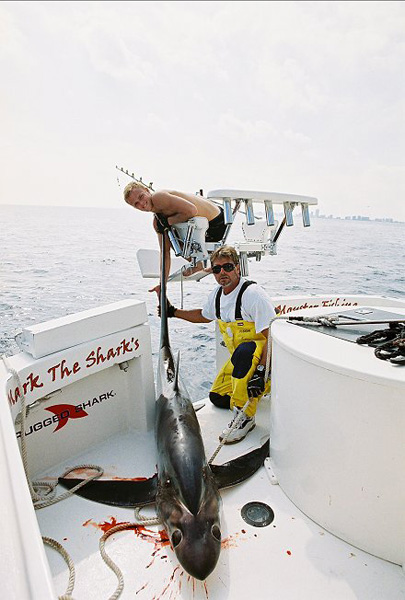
318 215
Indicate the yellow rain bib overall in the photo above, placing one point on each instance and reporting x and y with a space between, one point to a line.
245 346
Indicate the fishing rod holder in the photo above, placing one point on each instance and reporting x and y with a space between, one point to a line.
187 240
250 215
268 205
228 214
288 213
175 243
305 214
243 264
260 238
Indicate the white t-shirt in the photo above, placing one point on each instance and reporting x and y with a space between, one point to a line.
256 306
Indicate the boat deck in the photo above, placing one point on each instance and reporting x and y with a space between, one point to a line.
292 557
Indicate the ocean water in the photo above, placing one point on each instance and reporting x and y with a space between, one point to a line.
61 260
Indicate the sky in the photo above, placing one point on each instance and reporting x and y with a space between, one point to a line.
295 97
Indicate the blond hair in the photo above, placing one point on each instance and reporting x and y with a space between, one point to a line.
133 185
225 252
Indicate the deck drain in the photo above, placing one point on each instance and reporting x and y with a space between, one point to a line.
257 514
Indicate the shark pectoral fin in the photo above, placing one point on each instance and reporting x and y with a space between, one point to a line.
125 492
241 468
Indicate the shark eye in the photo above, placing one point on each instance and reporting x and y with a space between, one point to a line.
176 538
216 532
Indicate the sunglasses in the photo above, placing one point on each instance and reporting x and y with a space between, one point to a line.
227 267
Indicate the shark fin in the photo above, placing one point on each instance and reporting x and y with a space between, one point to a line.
125 492
176 375
131 493
241 468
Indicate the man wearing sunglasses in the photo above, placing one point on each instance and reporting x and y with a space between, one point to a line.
243 311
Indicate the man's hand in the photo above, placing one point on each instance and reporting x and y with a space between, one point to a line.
170 309
161 223
257 384
156 289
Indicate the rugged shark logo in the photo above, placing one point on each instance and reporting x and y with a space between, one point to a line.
66 412
61 413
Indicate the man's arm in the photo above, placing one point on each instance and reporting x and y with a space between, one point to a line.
192 316
176 209
257 383
263 357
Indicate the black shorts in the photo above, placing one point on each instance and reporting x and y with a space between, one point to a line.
216 229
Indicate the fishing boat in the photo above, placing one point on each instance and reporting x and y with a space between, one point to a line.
322 517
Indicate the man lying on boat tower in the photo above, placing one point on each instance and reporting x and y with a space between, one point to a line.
171 208
243 311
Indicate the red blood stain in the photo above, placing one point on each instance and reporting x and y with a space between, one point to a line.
81 472
190 578
173 587
104 526
159 538
87 522
142 588
171 580
229 542
130 478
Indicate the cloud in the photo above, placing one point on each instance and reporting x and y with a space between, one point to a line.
244 129
304 94
13 42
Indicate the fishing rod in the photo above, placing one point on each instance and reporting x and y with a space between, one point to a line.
389 321
331 322
125 171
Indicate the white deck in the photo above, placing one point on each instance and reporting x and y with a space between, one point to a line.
291 558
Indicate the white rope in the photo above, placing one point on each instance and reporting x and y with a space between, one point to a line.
181 289
122 527
268 357
145 520
234 425
59 548
41 503
109 562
